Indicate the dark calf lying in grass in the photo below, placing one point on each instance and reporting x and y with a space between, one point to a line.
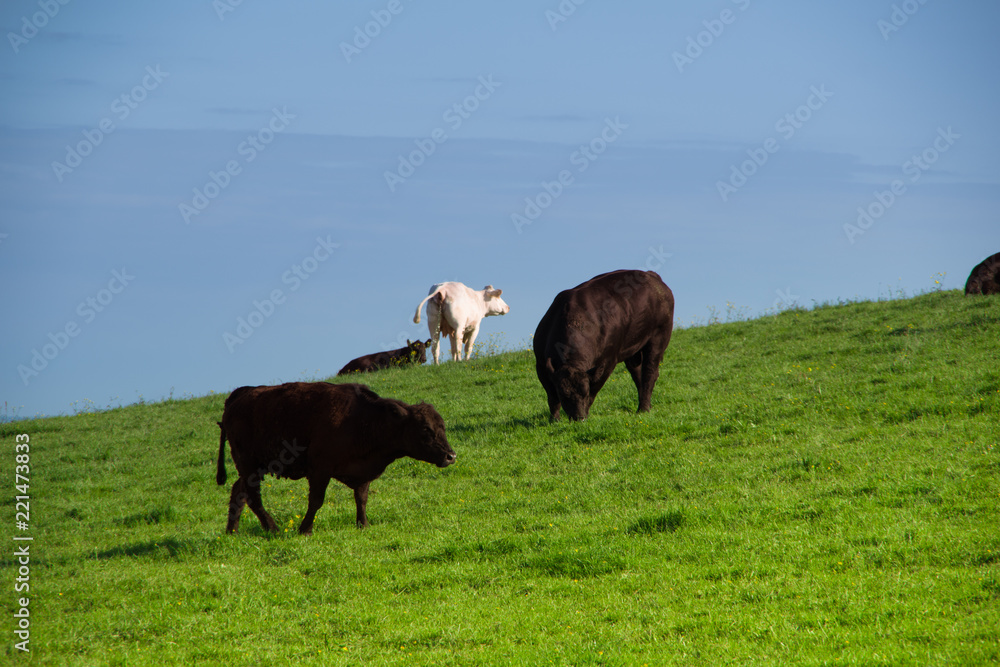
321 431
414 353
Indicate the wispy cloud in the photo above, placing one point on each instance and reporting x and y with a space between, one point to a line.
73 81
237 111
89 38
556 118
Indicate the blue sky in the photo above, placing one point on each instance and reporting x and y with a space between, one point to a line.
169 172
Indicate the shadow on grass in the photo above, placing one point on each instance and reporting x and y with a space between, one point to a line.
576 565
480 551
150 516
668 522
509 424
157 549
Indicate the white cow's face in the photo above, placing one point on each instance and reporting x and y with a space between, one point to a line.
494 304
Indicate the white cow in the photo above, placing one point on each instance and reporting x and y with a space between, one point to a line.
453 309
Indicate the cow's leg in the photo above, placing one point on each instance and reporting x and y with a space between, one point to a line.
456 350
550 391
650 372
317 493
361 501
237 499
470 340
634 366
436 347
256 505
434 326
554 406
598 377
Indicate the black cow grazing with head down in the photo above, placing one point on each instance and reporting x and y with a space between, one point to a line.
414 353
985 277
619 316
321 431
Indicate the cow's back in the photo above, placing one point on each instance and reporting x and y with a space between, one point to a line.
360 365
985 277
451 304
273 428
609 316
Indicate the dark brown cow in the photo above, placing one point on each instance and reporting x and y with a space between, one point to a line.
985 277
619 316
321 431
413 353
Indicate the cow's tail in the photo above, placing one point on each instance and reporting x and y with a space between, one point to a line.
416 317
220 472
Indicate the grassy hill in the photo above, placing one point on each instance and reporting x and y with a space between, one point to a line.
815 487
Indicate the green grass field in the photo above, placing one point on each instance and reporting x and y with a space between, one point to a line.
813 487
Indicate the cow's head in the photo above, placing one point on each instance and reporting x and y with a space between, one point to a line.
418 350
573 388
425 438
494 304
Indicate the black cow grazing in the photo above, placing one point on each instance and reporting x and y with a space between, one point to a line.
321 431
619 316
414 353
985 277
